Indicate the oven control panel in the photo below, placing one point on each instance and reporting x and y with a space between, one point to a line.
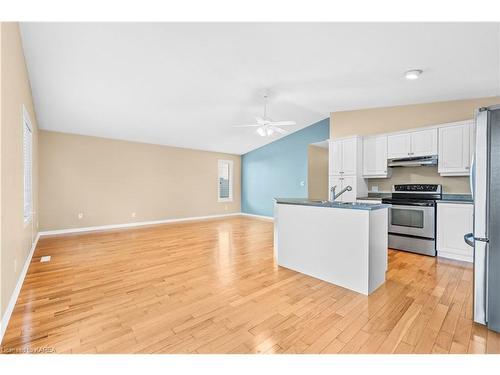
417 188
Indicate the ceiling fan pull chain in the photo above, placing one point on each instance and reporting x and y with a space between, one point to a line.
265 106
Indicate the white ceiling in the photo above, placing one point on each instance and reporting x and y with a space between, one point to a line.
186 84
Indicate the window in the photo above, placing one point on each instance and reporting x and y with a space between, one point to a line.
28 167
225 180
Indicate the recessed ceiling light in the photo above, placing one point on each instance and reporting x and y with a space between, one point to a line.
413 74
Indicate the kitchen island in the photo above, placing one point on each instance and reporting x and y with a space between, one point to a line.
342 243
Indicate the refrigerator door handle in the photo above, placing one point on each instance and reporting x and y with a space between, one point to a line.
472 176
482 239
469 239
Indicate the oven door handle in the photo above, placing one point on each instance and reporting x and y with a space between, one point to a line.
413 204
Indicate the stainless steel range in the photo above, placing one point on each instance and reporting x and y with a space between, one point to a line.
412 217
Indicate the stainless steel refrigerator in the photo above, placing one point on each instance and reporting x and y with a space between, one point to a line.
485 187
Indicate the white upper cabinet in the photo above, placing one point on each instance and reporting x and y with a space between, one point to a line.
344 156
456 146
424 143
398 146
349 155
419 143
375 157
335 158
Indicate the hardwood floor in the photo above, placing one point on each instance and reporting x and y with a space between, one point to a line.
213 287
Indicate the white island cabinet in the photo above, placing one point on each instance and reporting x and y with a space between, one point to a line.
341 243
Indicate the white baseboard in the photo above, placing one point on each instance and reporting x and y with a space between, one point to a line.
462 258
15 294
131 225
270 218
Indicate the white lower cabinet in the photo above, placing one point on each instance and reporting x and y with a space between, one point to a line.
454 220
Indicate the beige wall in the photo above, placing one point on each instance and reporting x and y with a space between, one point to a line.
388 119
16 237
317 172
107 180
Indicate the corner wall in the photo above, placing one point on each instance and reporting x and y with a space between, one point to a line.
16 236
278 169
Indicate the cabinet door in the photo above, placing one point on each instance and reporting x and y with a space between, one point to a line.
335 158
453 221
375 156
398 146
349 156
424 143
454 150
349 196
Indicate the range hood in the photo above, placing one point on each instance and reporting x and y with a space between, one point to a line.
413 161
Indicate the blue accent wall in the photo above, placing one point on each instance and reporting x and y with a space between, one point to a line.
276 169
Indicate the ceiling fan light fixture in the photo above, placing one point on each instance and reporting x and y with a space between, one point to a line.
413 74
261 131
265 127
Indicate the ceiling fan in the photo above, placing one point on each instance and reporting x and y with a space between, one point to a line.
266 126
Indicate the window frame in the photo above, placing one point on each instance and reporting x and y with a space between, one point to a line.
231 180
26 123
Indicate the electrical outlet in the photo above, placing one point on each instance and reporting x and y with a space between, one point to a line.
45 258
132 214
80 216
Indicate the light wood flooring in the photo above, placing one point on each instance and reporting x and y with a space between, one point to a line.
213 287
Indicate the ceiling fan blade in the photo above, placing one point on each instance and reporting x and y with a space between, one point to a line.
245 126
279 130
283 123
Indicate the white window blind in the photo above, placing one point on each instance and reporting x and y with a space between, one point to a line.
225 181
28 167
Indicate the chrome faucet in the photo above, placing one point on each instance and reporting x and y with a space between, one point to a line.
332 193
334 196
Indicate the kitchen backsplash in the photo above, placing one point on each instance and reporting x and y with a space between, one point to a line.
421 175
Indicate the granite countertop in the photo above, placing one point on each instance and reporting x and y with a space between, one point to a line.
456 198
327 204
